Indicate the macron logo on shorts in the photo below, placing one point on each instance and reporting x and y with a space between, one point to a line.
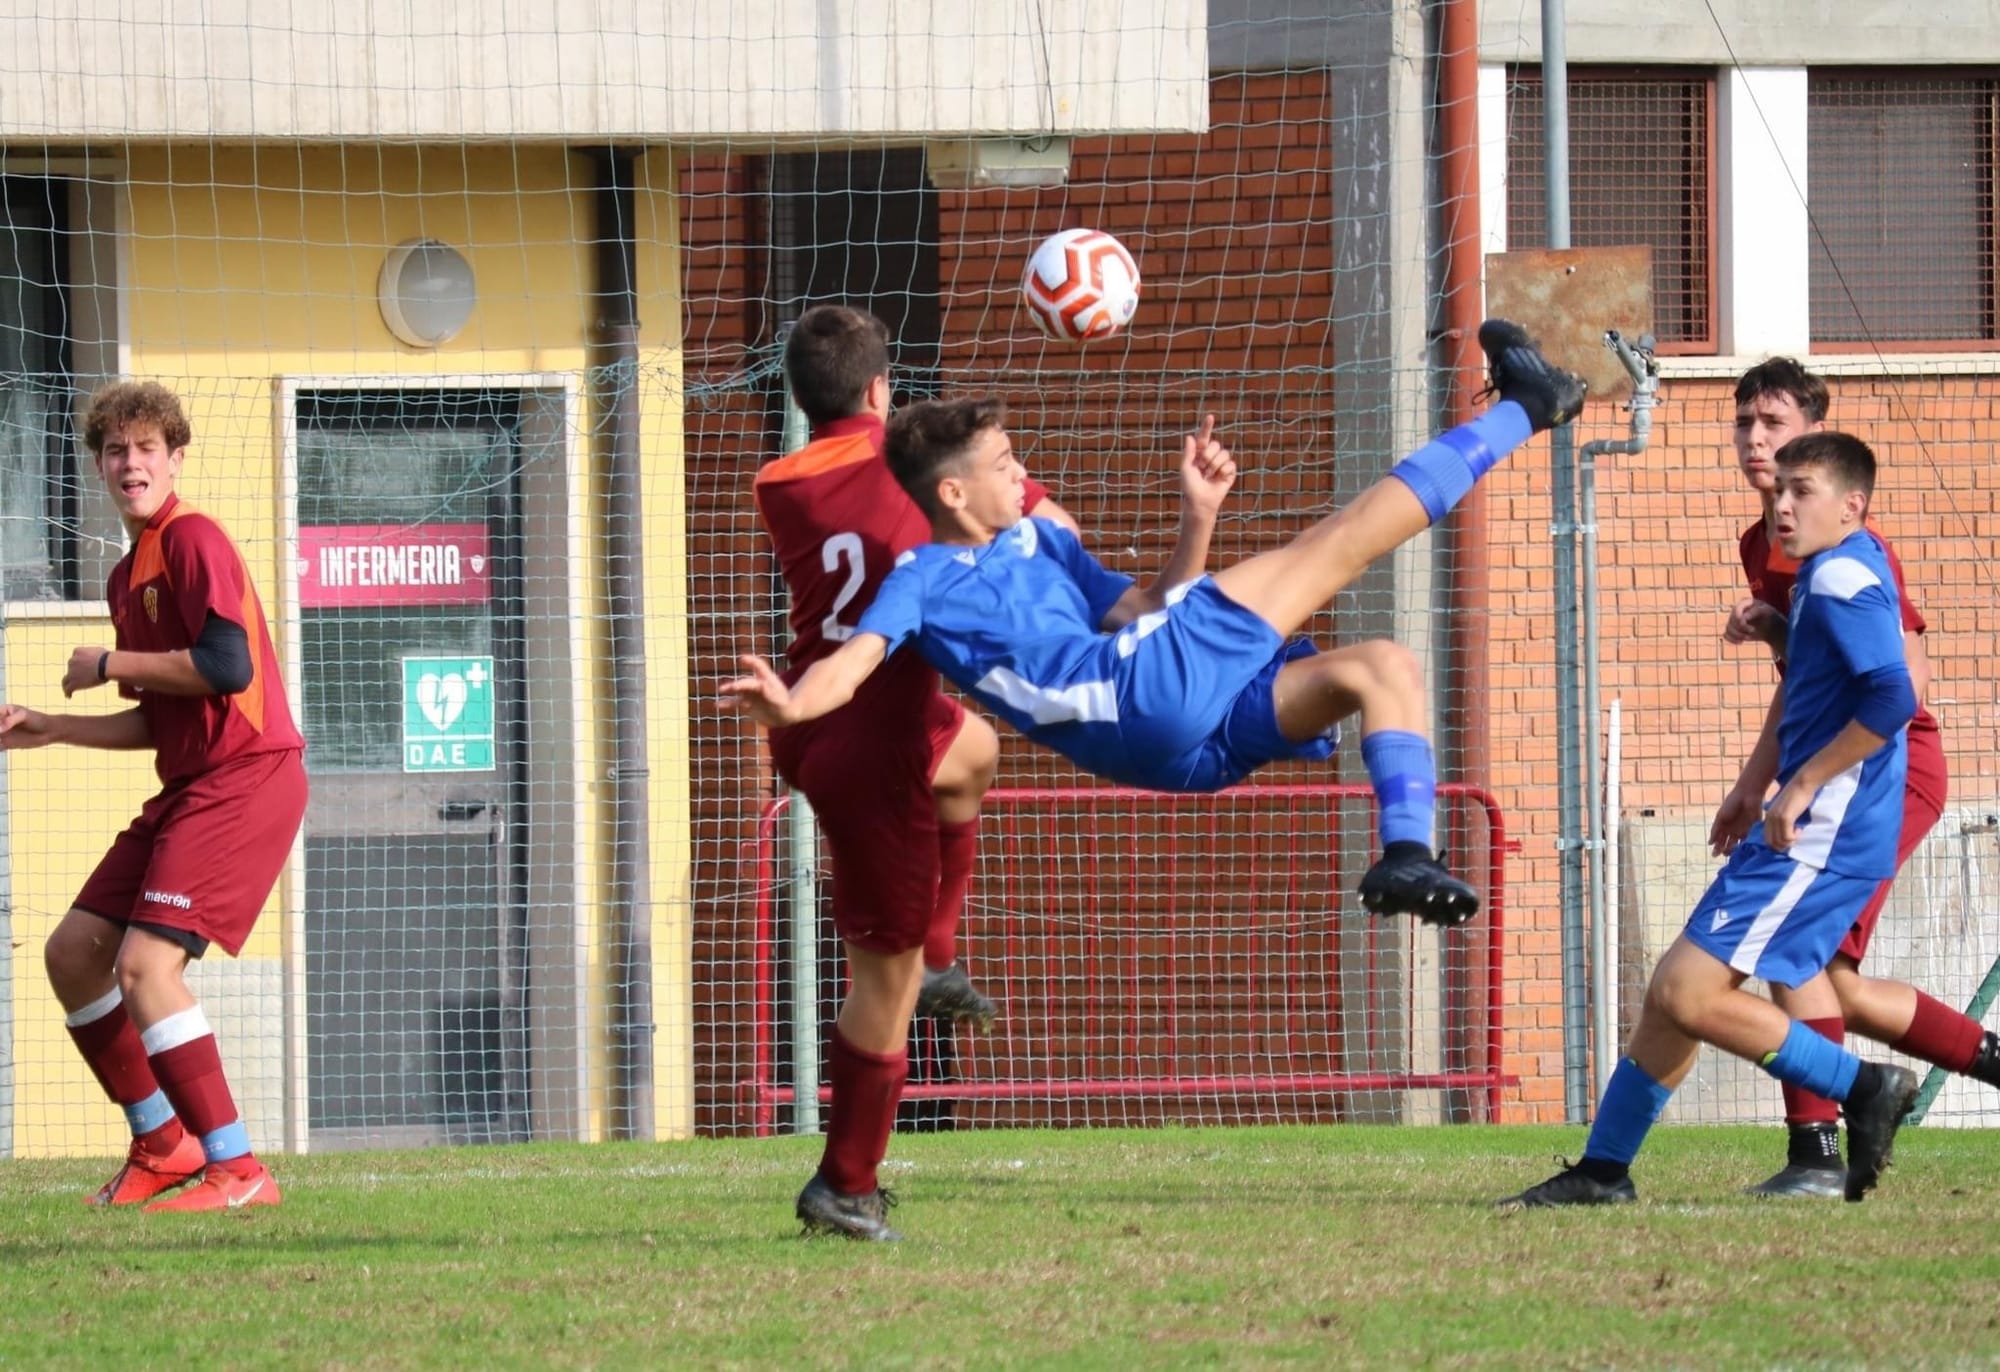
1721 918
173 898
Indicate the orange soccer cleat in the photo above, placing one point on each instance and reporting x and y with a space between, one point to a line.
220 1188
146 1174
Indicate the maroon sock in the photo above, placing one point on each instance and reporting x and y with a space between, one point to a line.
866 1087
957 844
1939 1034
110 1044
1802 1106
189 1067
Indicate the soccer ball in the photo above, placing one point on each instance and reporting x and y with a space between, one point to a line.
1080 284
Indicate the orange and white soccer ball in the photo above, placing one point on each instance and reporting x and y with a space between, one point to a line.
1080 284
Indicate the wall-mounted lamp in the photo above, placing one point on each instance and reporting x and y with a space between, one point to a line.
426 292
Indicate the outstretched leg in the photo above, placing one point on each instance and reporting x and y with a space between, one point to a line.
1696 998
1382 682
1289 585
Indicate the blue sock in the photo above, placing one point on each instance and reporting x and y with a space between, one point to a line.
1818 1064
1631 1105
1405 777
1444 469
149 1114
230 1141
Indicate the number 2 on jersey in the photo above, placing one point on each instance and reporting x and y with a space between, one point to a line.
842 548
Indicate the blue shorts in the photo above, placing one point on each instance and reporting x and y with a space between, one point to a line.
1769 916
1195 695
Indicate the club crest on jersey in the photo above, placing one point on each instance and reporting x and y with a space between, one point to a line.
151 600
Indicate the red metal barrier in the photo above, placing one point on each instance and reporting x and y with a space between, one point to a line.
1105 1013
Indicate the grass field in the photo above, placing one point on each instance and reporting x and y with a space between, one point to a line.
1340 1246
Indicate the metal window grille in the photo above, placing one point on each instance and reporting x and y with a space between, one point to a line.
37 514
1642 170
1901 183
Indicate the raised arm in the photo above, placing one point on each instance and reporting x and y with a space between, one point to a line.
1207 472
826 686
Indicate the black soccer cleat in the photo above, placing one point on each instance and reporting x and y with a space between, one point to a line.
1799 1181
1872 1126
1571 1187
948 993
824 1210
1407 880
1518 372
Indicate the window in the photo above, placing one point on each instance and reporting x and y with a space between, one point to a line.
1900 171
1641 153
37 489
860 228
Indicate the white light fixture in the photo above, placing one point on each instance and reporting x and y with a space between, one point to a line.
426 292
970 164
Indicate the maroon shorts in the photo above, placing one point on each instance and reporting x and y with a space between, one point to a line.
203 854
870 788
1923 801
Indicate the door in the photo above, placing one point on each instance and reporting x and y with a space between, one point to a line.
411 649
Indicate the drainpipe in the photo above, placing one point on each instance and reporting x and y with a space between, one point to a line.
1640 365
614 393
1462 716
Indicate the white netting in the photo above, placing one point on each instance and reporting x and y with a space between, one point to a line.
575 913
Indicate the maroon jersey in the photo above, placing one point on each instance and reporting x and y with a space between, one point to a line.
1771 575
838 521
182 569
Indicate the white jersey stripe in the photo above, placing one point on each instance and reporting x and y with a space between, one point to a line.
1843 578
1086 702
1816 838
1764 926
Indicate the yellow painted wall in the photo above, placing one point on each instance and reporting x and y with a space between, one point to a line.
65 805
243 265
665 486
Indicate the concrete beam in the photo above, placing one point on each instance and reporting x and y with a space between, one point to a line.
756 71
1780 33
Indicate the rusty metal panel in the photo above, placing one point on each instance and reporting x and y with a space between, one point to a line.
1568 297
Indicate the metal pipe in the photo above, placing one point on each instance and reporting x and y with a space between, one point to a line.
1555 123
614 375
1462 719
1640 367
1569 799
1563 527
802 864
1604 969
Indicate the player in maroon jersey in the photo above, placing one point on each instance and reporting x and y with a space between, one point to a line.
1776 401
895 778
191 648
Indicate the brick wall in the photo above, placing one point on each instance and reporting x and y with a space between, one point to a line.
1692 704
1229 229
1232 232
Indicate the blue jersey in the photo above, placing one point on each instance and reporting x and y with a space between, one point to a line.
1845 623
1176 700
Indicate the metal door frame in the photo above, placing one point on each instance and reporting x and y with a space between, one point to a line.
566 389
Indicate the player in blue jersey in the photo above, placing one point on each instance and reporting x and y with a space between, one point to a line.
1188 683
1792 888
